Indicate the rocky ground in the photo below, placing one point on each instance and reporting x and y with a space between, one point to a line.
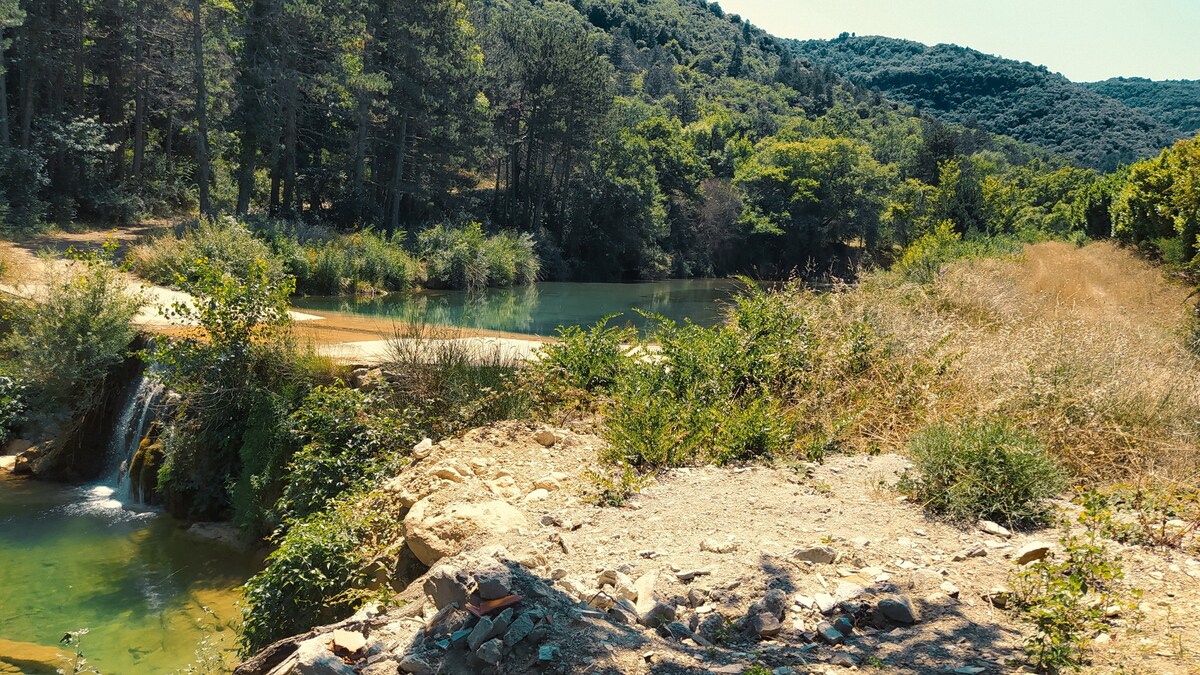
804 569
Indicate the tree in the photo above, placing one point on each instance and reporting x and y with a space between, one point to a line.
804 197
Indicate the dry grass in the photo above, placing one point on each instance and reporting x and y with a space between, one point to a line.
1083 345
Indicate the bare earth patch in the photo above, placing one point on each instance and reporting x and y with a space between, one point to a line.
716 541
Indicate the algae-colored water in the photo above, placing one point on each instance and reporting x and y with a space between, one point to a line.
153 598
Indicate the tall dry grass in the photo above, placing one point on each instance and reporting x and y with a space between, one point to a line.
1085 346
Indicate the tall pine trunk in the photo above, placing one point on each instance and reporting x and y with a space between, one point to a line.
202 167
3 93
398 175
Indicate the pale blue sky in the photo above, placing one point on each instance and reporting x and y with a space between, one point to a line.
1085 41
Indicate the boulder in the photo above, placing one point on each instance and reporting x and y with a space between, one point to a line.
775 602
493 581
491 651
434 533
349 642
546 438
764 624
659 615
446 585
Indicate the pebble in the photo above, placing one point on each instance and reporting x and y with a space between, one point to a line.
976 551
715 546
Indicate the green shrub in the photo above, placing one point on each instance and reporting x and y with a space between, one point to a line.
65 342
13 406
580 363
925 258
325 566
225 244
983 470
1069 596
241 350
336 264
343 437
466 258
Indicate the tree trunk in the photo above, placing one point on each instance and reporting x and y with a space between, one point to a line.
398 175
289 151
3 93
139 94
202 168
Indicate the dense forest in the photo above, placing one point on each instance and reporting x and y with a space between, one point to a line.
628 140
1021 100
1173 102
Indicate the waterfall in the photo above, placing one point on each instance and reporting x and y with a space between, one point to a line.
141 409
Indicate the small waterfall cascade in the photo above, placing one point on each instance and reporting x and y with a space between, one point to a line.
139 418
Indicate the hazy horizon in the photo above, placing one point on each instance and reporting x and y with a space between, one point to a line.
1085 41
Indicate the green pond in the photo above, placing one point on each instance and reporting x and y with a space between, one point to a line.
153 598
539 309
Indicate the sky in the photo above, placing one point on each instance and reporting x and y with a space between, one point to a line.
1084 40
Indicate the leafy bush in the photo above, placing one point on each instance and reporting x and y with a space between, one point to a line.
223 373
344 435
1166 515
174 259
65 342
582 362
925 258
982 470
363 263
324 567
466 258
790 373
1069 597
13 406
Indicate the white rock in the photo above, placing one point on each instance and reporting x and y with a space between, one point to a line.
434 533
815 554
1034 550
538 495
717 546
994 529
423 449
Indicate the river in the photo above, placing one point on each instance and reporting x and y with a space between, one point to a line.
153 598
541 308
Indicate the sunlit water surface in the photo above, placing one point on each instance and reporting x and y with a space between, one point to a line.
153 598
540 308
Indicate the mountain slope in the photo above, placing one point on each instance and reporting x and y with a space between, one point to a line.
1003 96
1173 102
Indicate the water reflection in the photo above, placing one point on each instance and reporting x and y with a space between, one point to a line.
539 309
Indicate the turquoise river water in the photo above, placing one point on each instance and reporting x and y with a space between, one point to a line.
541 308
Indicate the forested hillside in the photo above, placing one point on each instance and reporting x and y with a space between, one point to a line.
1021 100
1172 102
629 140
